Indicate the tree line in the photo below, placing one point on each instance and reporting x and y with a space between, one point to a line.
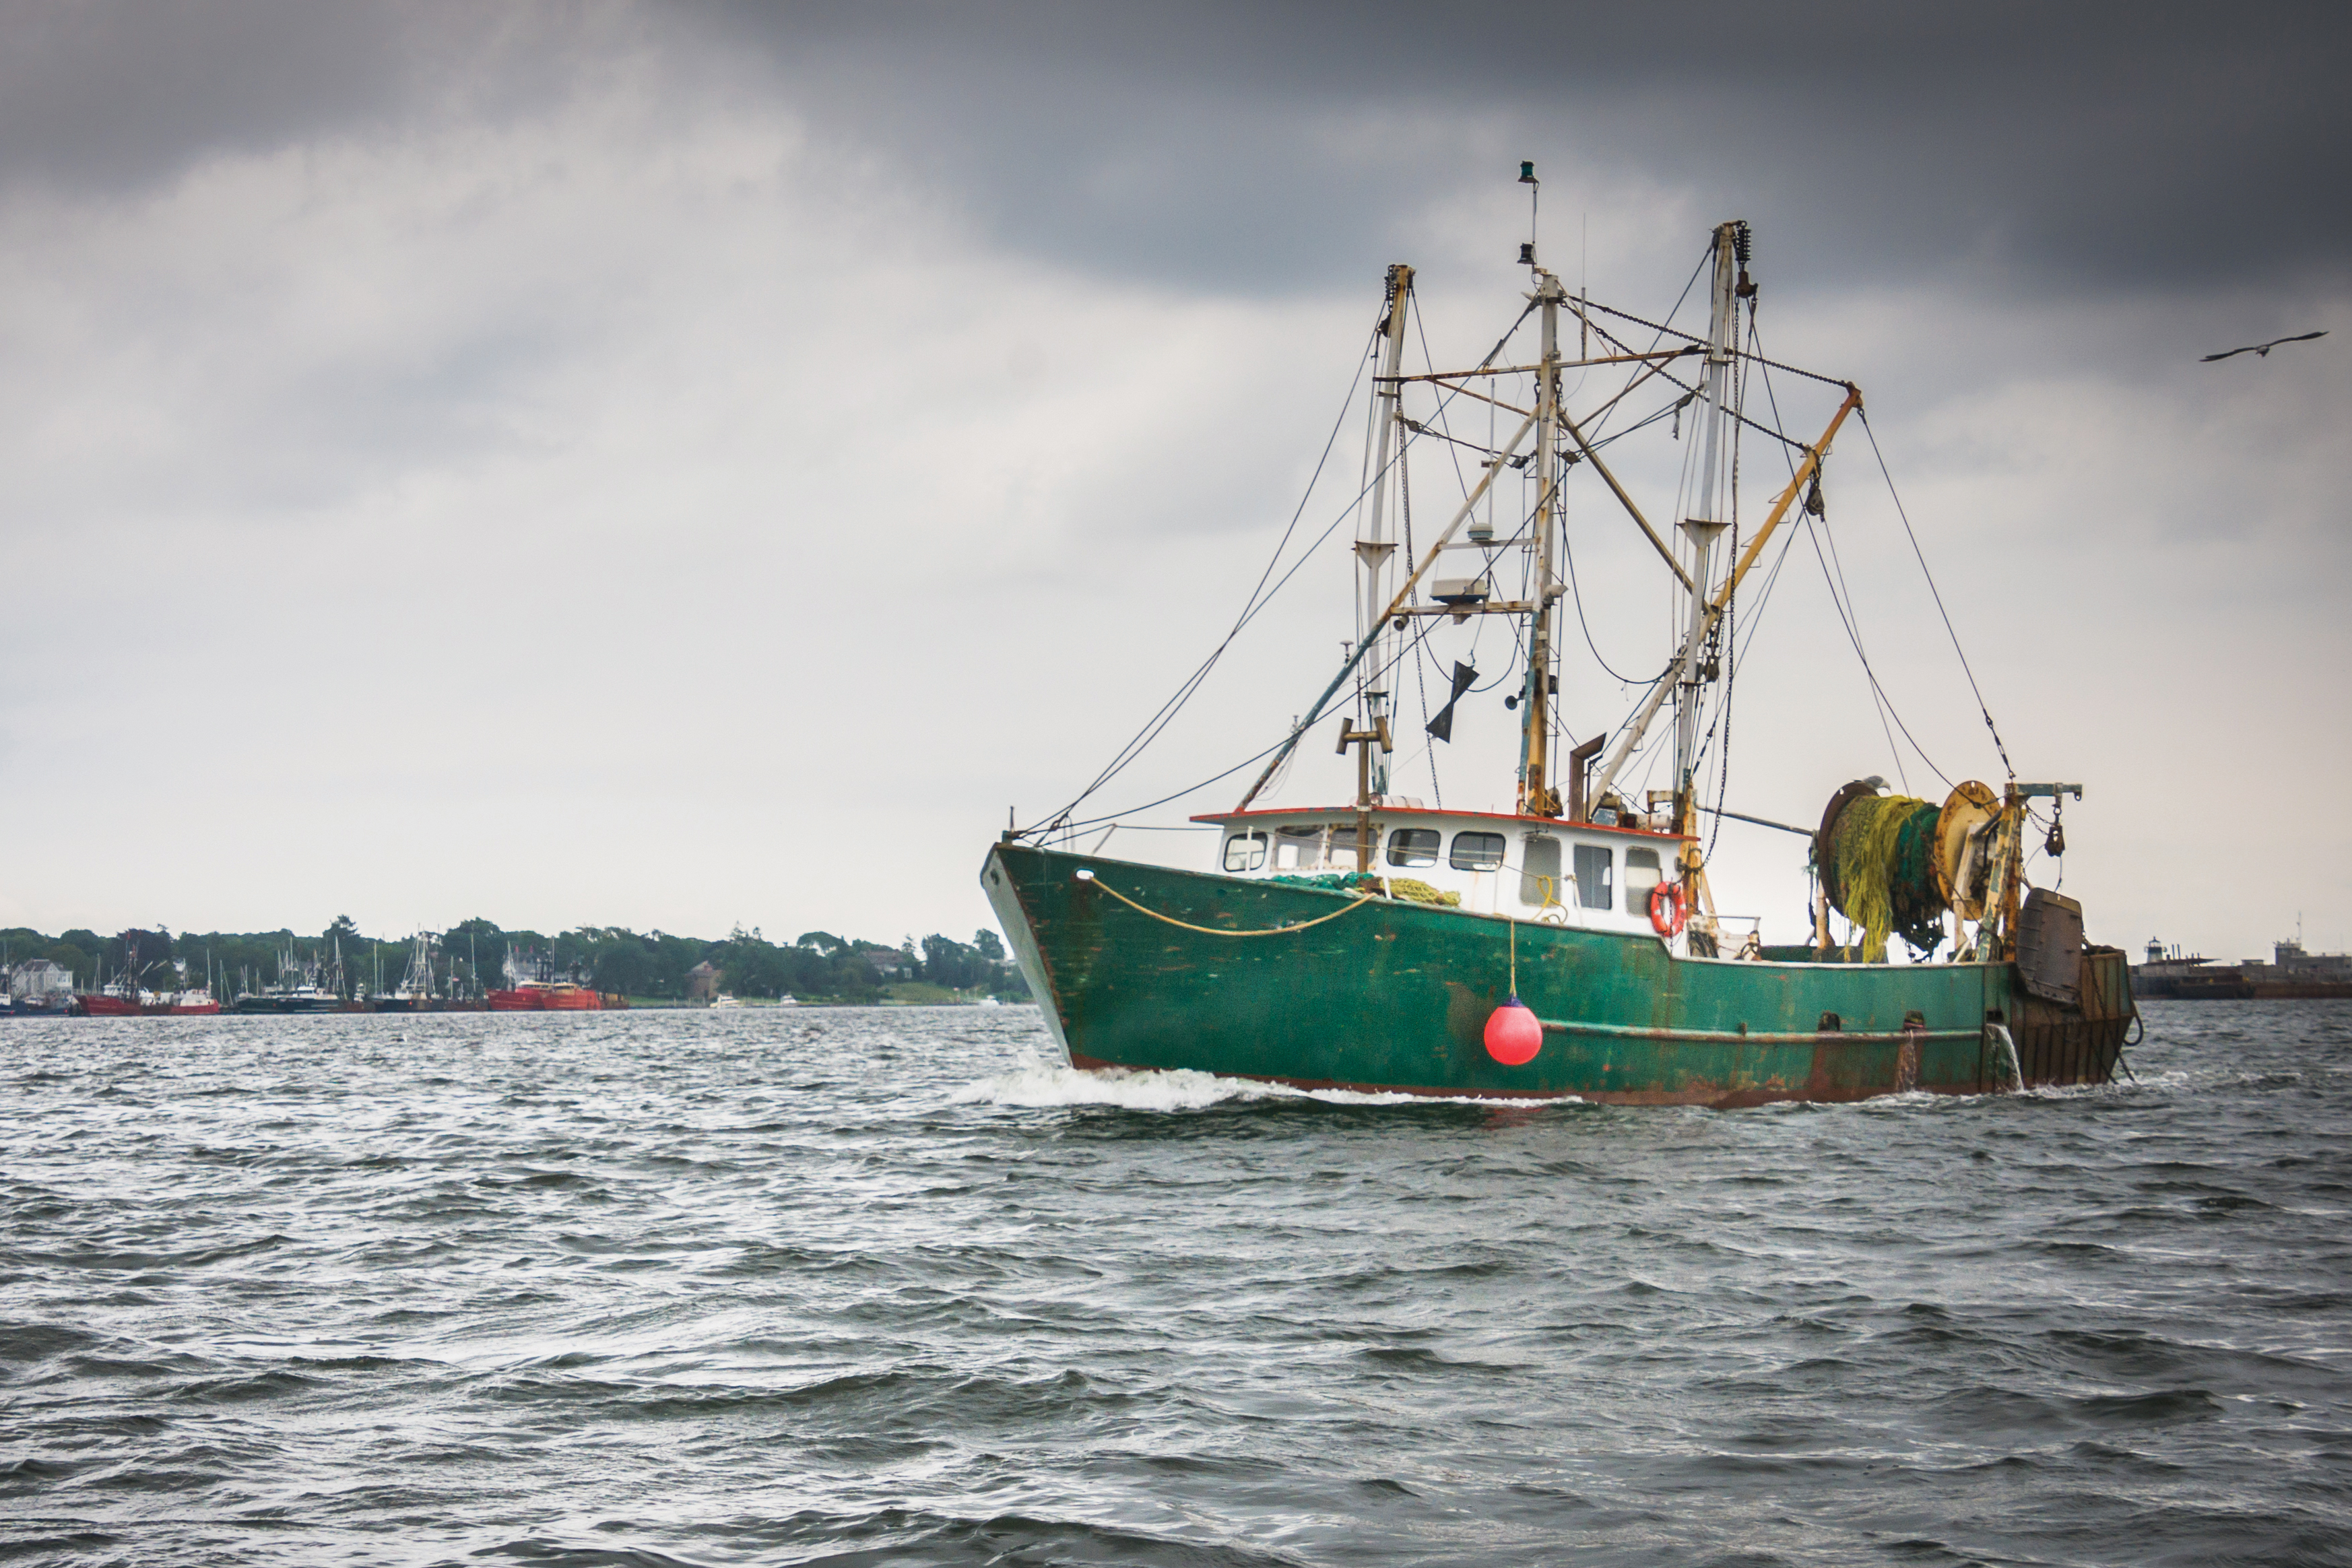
470 957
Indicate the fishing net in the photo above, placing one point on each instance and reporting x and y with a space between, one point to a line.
1884 846
1408 888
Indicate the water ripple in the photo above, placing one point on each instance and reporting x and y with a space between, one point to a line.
884 1287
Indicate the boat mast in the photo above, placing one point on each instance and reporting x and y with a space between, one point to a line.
1537 798
1376 549
1702 528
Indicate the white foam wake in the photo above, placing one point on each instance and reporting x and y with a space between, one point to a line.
1037 1082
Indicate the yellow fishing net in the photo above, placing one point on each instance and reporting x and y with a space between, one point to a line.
1882 846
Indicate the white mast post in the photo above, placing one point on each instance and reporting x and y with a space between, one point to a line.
1373 552
1537 797
1702 528
1376 549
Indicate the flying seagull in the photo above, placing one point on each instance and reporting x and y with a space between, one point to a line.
2264 349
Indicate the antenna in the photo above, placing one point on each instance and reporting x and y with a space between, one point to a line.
1535 191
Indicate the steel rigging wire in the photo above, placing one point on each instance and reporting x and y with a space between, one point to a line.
1261 594
1462 482
1404 505
1066 827
1853 635
1726 640
1175 704
1678 332
1597 437
1060 820
1781 436
1261 597
1938 594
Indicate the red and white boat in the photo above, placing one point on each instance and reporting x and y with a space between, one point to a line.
118 1000
112 1000
194 1001
536 988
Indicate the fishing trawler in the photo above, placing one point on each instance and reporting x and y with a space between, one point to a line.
1571 946
113 999
39 988
127 997
534 984
304 984
415 991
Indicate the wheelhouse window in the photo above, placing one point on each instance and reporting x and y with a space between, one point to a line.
1539 871
1245 852
1642 874
1594 875
1414 847
1300 848
1477 851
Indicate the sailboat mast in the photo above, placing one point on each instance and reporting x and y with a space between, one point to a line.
1706 523
1376 549
1537 798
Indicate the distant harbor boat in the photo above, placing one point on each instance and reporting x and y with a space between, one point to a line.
415 991
125 996
535 986
195 1000
38 988
304 984
2293 974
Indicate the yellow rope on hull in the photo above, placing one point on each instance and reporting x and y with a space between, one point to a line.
1212 930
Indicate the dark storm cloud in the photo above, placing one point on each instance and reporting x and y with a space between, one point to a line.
2057 146
1258 148
103 94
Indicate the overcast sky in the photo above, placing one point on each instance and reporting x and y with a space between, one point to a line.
688 465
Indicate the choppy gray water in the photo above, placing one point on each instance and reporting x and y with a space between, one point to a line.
874 1287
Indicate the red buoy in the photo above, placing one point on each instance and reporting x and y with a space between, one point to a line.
1514 1034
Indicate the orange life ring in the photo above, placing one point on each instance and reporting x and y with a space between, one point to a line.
1669 907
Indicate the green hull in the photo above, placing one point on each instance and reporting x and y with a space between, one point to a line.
1393 996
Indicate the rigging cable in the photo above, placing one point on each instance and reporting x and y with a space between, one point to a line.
1937 594
1421 660
1443 433
1884 708
1640 372
1726 642
1784 439
1676 331
1175 704
1258 596
1835 582
1576 594
1430 430
1085 823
